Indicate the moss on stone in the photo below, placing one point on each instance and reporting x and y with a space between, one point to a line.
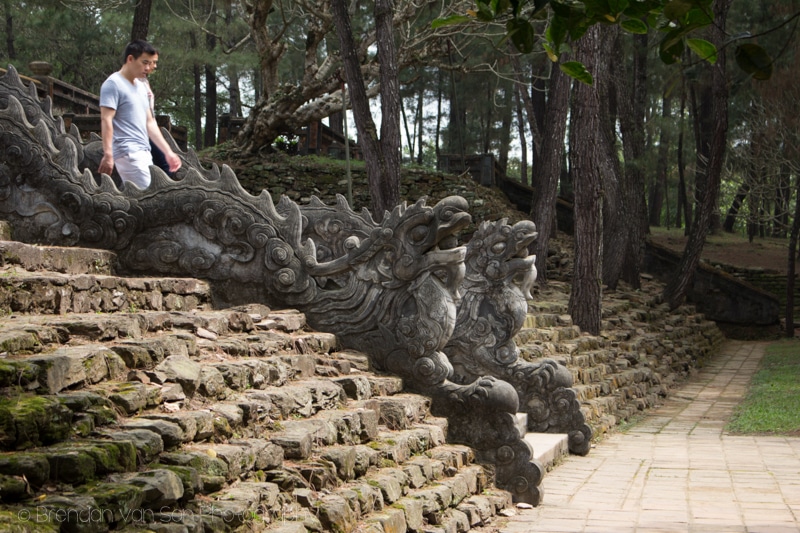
37 420
25 520
103 415
117 500
17 373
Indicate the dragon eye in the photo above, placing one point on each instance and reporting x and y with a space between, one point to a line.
418 233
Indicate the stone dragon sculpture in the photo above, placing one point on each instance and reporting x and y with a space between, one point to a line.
496 288
390 289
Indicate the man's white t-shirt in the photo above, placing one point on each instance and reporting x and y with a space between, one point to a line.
130 120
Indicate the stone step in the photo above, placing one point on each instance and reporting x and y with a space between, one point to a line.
77 261
548 448
24 292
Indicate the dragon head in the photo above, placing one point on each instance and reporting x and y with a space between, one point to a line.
423 240
498 253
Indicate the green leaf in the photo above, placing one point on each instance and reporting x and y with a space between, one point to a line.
576 70
522 35
485 13
704 49
634 26
500 6
578 27
449 21
699 17
670 50
754 60
675 9
556 32
618 6
550 53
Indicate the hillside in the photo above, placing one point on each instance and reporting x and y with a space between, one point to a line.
300 177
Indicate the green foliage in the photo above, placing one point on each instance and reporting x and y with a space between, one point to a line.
773 403
678 21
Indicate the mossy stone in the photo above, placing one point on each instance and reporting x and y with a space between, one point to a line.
38 420
71 466
109 456
192 482
12 488
17 373
34 466
25 520
117 500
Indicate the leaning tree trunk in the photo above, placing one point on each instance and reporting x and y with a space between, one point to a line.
676 290
585 298
381 156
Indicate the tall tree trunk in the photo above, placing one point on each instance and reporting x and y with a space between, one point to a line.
437 136
586 295
10 50
210 137
616 206
783 195
523 143
198 107
792 260
234 92
683 207
676 290
546 169
141 20
505 128
420 124
381 155
658 187
632 120
198 99
489 118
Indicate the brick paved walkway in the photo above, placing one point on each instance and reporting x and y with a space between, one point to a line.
677 470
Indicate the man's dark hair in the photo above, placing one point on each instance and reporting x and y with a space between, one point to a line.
137 48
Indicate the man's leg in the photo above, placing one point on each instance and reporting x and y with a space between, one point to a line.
135 168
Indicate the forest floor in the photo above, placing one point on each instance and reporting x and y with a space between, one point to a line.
734 249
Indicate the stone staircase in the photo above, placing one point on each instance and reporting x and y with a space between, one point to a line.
131 404
642 352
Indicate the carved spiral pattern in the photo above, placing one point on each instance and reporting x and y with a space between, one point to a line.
286 277
196 260
519 485
505 454
429 371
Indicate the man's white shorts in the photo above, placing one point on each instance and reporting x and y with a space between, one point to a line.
135 168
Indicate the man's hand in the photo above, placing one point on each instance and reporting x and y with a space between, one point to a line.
106 164
173 161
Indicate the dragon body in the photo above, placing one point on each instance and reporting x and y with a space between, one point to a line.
391 289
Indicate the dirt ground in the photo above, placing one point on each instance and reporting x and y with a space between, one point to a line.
732 249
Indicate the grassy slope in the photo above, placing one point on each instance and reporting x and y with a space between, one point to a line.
772 405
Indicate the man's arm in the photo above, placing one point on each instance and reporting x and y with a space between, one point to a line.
107 131
154 132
